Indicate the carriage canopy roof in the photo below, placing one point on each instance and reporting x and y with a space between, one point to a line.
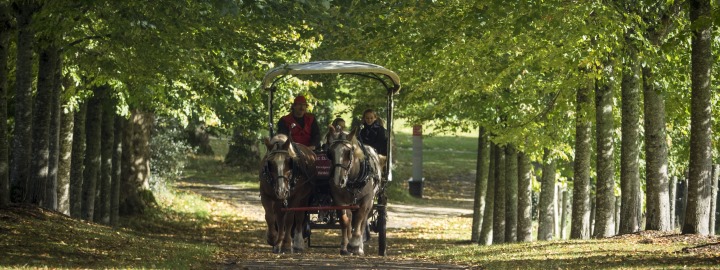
326 67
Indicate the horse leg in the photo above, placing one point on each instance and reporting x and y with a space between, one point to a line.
359 220
298 242
344 231
281 230
287 225
271 233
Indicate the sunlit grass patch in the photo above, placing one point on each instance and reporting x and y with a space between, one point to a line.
448 168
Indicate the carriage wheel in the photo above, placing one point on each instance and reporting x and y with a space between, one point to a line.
382 225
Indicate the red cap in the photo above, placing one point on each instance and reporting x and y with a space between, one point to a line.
300 100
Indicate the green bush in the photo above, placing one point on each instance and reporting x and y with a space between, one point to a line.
169 150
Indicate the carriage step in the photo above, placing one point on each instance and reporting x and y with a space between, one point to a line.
320 208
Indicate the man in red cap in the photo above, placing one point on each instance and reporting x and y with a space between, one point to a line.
306 130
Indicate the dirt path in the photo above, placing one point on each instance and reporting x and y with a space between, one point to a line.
248 202
400 216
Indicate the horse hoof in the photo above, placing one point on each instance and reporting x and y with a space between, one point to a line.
345 253
287 250
298 249
356 250
276 250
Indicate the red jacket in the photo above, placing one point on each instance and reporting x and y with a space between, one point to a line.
299 134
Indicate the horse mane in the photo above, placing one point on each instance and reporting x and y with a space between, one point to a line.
276 142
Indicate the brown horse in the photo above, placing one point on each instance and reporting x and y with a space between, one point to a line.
285 175
355 180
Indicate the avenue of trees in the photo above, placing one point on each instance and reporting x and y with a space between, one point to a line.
609 105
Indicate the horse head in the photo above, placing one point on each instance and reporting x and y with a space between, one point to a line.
345 155
279 166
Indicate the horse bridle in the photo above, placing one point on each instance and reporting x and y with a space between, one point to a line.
352 150
364 171
267 173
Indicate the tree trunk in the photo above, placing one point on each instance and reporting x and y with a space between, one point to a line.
565 217
107 144
605 187
547 194
713 197
524 228
592 213
65 161
658 204
698 213
36 186
77 161
630 143
618 206
481 178
93 133
243 151
557 213
5 32
673 202
500 187
580 225
511 194
682 201
487 223
135 188
22 137
52 187
116 171
198 137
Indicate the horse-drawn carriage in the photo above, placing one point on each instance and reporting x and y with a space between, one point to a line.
345 183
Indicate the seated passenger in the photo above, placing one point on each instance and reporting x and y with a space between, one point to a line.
373 132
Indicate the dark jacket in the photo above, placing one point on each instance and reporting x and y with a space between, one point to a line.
309 136
374 135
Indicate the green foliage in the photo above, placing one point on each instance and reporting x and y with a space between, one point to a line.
169 150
